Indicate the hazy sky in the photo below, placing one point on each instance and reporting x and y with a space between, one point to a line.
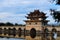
14 11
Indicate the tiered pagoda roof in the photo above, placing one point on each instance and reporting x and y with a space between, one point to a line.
34 16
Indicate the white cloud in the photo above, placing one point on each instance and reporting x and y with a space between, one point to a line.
9 3
11 17
9 9
6 14
40 4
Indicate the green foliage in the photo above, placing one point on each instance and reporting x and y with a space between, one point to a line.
56 15
10 24
58 2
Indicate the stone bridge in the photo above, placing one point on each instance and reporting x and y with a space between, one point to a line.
12 31
21 32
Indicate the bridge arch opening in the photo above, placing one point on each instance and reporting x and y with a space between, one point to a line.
54 30
0 30
24 31
19 32
14 31
33 32
5 31
9 31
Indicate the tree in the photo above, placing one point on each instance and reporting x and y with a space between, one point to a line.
56 15
57 1
2 24
16 24
9 24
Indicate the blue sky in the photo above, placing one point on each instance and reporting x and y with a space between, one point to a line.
14 11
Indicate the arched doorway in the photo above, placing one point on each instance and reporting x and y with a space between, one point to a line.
33 33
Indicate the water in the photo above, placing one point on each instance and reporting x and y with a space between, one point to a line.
10 39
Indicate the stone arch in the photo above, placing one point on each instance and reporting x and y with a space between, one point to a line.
14 31
54 30
5 31
46 33
9 31
0 30
33 32
19 32
24 31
